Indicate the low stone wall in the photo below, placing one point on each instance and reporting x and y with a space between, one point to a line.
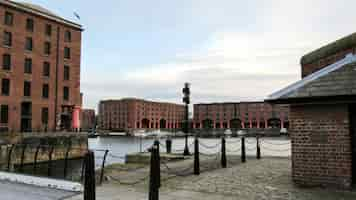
28 144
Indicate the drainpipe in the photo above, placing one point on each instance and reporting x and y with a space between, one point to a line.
56 84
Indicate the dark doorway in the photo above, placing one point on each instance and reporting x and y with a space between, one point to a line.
235 124
26 117
145 123
352 112
208 124
162 123
66 122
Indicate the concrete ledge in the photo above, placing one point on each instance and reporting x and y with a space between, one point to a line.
42 182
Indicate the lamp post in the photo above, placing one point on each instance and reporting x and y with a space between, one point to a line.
186 100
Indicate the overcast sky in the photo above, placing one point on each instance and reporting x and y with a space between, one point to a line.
229 50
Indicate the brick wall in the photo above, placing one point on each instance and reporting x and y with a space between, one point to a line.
309 68
321 147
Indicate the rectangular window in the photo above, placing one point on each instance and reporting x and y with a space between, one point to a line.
45 91
67 36
9 18
66 93
29 25
27 89
5 87
28 66
29 44
44 116
7 39
4 116
47 48
6 62
66 52
46 69
66 73
48 30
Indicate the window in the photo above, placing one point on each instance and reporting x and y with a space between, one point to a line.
5 87
45 91
28 66
6 61
66 93
66 74
29 25
9 18
46 69
48 30
44 116
47 48
27 89
67 36
7 39
66 52
28 44
4 116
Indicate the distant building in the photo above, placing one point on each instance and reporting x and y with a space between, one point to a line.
87 119
323 116
130 113
235 115
40 69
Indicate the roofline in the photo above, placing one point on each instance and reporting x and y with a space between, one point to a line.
316 100
37 12
138 99
239 102
349 58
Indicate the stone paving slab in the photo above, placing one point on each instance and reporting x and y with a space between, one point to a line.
15 191
266 179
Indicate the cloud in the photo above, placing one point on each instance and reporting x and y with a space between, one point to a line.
235 64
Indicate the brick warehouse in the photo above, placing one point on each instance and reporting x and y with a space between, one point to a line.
87 119
323 116
40 69
130 113
240 115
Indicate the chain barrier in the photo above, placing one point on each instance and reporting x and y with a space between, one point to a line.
233 151
129 183
273 143
117 157
209 147
276 150
233 141
184 172
250 149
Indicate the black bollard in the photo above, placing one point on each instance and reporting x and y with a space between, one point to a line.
169 145
243 150
223 152
9 157
154 177
89 179
196 157
258 153
22 157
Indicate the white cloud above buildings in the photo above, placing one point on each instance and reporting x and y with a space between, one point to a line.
234 63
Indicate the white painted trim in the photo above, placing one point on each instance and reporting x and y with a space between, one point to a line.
349 58
42 182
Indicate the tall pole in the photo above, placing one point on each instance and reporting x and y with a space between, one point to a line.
186 100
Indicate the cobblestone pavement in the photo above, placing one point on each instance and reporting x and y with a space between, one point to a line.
268 178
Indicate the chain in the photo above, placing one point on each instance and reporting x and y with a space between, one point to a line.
130 183
209 147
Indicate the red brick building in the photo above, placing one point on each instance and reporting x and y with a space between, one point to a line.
323 116
87 119
130 113
240 115
40 69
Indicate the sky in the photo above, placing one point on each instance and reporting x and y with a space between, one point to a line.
229 50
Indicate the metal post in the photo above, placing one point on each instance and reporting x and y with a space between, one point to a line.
9 157
169 145
66 162
186 100
50 161
35 159
243 150
196 157
89 181
223 152
258 153
103 166
154 178
22 157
